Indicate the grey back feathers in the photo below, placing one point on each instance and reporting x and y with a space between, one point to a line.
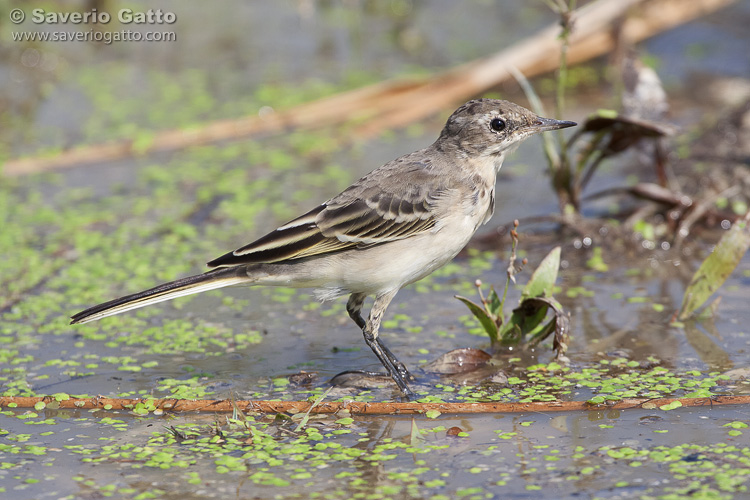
396 200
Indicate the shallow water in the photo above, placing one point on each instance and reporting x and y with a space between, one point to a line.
91 233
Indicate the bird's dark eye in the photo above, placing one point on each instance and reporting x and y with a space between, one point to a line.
497 125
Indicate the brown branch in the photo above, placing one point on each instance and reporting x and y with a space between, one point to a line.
355 407
593 35
396 103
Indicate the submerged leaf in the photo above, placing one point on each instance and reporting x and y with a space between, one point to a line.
459 361
716 268
361 379
416 438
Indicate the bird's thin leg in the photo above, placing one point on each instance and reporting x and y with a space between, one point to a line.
354 308
398 364
370 333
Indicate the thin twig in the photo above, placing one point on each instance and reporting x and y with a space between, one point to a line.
356 407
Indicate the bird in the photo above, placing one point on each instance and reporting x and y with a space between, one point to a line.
392 227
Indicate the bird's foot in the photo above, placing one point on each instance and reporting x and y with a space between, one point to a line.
364 379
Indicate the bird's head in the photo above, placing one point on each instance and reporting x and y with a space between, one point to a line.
491 127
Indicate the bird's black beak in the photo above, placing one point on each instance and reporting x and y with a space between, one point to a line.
544 124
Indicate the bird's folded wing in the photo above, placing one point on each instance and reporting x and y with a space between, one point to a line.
337 225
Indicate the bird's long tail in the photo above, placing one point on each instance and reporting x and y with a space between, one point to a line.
218 278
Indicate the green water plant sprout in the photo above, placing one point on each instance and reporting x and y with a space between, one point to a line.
528 319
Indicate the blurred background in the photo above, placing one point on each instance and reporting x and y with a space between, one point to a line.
116 220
